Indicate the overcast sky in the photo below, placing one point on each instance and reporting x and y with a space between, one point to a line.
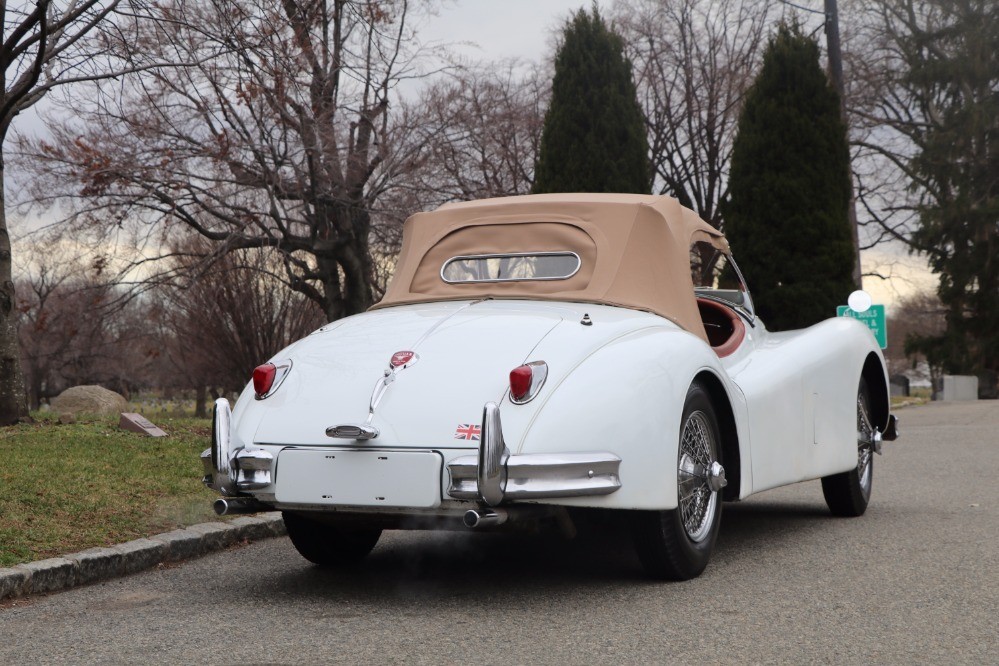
501 28
476 29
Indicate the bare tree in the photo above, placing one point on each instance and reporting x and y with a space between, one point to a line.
45 44
693 60
876 104
221 318
273 130
917 315
481 129
73 328
894 112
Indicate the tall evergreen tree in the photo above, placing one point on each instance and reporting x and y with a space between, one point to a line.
593 138
950 84
786 216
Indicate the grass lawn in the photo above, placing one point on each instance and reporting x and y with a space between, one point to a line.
64 488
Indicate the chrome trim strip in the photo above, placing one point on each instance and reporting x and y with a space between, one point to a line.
562 475
504 255
492 458
540 475
389 375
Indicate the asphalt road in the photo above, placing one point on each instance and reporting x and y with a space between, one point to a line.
915 580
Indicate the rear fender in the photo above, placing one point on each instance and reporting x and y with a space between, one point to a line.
626 398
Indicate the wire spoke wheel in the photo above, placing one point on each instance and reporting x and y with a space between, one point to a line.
697 502
849 493
865 448
676 544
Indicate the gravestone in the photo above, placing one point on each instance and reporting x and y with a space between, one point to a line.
140 424
899 386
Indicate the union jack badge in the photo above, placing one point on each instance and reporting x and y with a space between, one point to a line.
468 431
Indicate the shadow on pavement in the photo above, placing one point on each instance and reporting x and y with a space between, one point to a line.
498 567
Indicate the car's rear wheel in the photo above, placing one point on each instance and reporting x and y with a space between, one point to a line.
328 545
677 544
849 493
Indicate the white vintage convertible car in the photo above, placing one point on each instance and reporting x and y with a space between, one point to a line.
536 358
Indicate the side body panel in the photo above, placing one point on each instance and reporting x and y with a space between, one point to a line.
801 388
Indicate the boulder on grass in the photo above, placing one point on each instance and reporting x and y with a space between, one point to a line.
89 400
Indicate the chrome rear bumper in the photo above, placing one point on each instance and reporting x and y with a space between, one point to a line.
495 475
492 476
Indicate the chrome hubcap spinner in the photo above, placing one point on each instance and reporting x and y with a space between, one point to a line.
699 478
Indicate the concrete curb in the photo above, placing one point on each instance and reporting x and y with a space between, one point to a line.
96 564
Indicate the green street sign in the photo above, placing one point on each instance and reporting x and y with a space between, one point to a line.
874 318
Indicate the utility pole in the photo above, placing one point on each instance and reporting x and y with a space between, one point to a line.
836 74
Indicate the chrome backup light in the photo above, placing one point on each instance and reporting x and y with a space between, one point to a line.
267 378
526 380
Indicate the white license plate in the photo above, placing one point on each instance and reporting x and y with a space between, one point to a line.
359 478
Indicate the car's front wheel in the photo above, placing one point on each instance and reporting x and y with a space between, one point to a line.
677 544
849 493
328 545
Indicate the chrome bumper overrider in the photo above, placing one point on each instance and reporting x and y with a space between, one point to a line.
248 470
229 471
496 475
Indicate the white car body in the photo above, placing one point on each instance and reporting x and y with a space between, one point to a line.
601 432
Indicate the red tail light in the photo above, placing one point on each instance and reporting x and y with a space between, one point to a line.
520 382
263 379
268 377
526 380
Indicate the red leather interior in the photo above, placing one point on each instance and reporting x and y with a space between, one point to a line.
724 326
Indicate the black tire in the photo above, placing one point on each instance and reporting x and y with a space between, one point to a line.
328 545
849 493
669 548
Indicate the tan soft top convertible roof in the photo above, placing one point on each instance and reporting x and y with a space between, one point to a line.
634 251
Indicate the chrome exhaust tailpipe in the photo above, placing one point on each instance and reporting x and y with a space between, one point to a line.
228 506
484 518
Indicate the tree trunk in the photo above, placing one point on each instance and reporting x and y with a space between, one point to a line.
34 385
355 260
200 399
13 405
357 271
